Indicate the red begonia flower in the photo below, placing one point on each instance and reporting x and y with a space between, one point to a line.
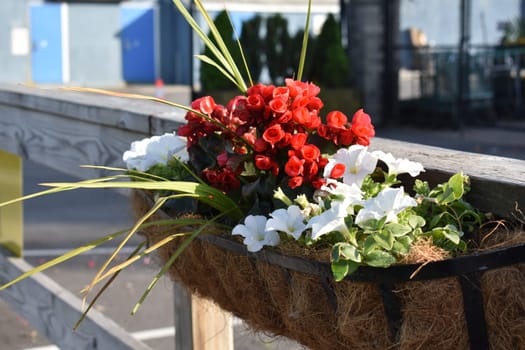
310 152
295 182
336 119
294 166
273 134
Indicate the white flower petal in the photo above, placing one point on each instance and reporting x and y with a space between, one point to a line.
148 152
358 163
388 203
329 221
241 230
399 165
289 221
254 233
253 245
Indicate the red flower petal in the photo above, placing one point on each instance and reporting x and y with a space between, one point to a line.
273 134
337 171
295 182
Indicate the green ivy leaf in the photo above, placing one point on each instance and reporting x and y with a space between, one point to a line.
397 230
416 221
343 268
453 189
352 235
369 245
436 219
446 196
384 238
370 225
379 258
449 232
345 251
349 252
462 246
456 183
452 236
340 269
452 233
402 245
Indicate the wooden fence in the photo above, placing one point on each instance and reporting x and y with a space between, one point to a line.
65 129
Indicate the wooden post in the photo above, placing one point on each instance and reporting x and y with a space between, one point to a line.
200 324
212 326
182 317
11 217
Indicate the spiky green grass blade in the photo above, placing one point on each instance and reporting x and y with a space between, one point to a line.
220 51
103 289
206 194
73 186
304 47
157 205
64 257
165 268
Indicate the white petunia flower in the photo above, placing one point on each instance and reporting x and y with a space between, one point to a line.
155 150
328 221
388 203
289 221
358 163
398 166
348 195
254 233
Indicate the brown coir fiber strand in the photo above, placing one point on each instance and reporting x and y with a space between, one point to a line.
361 320
245 286
289 303
433 315
504 295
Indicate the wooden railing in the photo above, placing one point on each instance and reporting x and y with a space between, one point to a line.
65 129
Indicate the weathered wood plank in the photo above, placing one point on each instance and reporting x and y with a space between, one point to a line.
64 129
123 113
53 310
62 143
497 183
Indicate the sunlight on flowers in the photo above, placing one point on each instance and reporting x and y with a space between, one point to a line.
331 220
254 233
388 203
289 221
155 150
348 195
398 166
357 161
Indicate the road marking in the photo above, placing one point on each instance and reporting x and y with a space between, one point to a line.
155 333
148 334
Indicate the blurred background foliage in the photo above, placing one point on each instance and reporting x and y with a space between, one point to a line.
272 54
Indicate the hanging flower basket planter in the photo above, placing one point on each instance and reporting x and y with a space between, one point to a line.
475 301
293 225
